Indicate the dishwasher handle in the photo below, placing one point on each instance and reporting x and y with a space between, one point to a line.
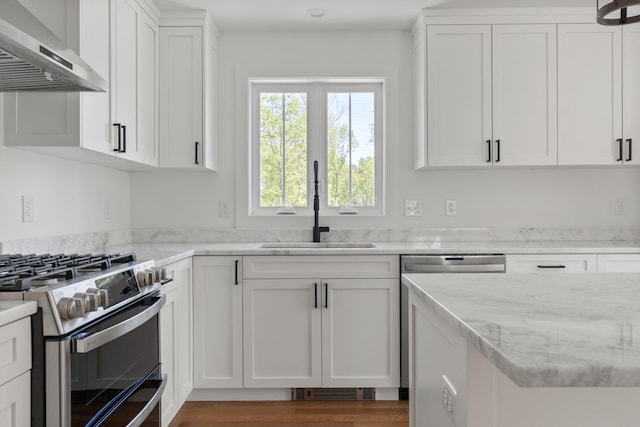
454 268
453 263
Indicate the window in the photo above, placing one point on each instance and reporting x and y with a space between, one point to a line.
337 123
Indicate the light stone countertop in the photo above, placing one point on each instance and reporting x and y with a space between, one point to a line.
166 253
544 330
10 311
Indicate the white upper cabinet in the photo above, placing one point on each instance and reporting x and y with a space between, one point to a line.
187 95
524 95
118 38
631 95
134 82
490 95
458 95
590 95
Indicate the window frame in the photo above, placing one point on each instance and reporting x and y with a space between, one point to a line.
317 145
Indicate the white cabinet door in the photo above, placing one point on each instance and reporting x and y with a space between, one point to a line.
124 69
618 263
168 334
360 341
552 263
183 98
176 338
282 333
589 94
182 273
217 322
15 402
420 96
524 95
459 95
146 148
631 98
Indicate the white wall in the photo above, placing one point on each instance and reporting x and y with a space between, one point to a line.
69 197
562 197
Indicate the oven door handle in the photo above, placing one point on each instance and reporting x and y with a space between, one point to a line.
93 341
151 404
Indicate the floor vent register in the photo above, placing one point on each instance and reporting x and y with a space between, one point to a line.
333 394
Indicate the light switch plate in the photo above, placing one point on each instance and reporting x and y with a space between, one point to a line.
27 208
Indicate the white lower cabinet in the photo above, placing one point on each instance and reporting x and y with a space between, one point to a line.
282 333
360 333
618 263
176 338
15 374
321 321
558 263
15 401
217 310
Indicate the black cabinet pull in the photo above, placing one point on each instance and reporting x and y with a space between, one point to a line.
326 295
197 144
552 266
124 139
237 282
488 151
315 292
119 126
619 159
630 143
498 150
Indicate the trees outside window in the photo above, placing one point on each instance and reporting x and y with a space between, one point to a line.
339 124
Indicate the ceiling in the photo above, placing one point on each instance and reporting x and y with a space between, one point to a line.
242 15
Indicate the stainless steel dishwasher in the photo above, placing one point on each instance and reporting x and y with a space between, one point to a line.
427 264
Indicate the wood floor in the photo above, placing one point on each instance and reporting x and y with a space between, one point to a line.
294 413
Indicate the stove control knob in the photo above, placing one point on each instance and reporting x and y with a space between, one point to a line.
67 308
99 296
104 298
144 278
82 303
94 299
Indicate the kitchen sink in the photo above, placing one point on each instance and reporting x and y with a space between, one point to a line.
311 245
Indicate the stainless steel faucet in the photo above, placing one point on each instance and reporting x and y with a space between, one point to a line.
316 206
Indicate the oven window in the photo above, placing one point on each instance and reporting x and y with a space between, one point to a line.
128 362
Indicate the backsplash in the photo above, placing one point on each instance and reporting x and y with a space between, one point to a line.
108 241
72 243
470 234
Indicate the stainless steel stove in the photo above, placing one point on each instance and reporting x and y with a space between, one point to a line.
95 336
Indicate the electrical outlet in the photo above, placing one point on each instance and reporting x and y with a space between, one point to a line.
223 208
449 395
621 206
450 208
27 208
413 208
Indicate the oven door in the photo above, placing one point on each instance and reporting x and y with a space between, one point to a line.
109 373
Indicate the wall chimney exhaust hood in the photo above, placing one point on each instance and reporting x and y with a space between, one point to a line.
32 58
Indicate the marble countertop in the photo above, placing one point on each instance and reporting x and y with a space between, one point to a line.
544 330
166 253
10 311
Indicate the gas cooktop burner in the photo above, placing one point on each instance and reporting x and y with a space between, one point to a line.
21 272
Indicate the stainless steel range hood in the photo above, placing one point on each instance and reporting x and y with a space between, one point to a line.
32 58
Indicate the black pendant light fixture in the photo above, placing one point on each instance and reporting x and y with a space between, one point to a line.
614 12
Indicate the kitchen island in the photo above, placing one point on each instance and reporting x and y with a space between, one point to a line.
524 350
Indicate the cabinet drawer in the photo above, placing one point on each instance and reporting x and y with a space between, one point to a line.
583 263
325 266
15 349
619 263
